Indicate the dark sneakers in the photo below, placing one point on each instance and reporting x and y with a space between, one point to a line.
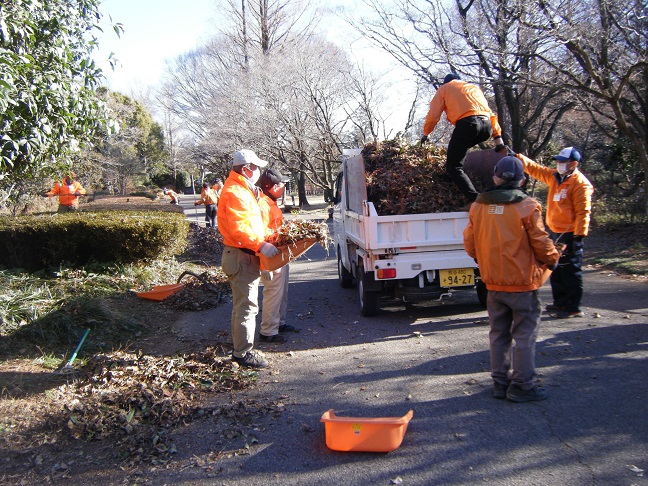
272 339
499 390
518 395
252 359
287 328
564 314
554 308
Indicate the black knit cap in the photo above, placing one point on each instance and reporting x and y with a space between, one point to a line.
270 177
450 77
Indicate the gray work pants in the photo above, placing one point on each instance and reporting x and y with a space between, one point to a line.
243 275
513 316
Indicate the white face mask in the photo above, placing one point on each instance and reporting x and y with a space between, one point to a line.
255 176
561 167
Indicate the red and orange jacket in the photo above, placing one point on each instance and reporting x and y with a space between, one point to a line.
506 236
569 203
271 213
66 193
459 99
239 215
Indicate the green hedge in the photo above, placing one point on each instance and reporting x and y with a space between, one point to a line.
75 239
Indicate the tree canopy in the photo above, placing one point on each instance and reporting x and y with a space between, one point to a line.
49 108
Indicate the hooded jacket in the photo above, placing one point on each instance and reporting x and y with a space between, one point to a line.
239 214
66 193
569 200
459 99
506 236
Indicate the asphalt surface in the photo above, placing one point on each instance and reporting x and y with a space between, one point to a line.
433 359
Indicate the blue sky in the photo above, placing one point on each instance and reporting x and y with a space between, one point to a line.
154 30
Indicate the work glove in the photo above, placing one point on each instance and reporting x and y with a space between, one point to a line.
268 250
424 139
77 193
196 203
577 244
499 144
510 152
44 194
552 267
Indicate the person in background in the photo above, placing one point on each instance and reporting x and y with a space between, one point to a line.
175 197
209 198
241 224
275 282
569 204
217 186
68 192
506 236
466 108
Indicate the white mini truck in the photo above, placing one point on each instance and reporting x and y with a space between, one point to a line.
411 258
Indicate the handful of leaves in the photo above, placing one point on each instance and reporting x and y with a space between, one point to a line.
298 229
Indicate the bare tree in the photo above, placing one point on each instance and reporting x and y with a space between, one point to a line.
487 43
601 48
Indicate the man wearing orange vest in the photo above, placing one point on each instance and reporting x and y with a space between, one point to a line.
275 283
569 204
467 109
507 237
209 198
68 192
241 224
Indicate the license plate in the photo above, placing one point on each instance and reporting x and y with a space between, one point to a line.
457 277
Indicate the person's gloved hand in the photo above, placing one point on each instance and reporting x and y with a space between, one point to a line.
424 139
552 267
77 193
196 203
577 244
510 152
499 144
44 194
268 250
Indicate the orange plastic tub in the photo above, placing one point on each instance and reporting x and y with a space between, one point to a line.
364 434
160 292
286 254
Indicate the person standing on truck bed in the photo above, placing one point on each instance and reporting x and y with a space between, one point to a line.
569 204
506 236
241 224
466 108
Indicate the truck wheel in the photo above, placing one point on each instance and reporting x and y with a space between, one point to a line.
368 299
482 292
344 276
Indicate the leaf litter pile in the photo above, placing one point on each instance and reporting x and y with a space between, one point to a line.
409 179
135 400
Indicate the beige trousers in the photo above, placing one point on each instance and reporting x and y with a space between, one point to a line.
275 300
242 272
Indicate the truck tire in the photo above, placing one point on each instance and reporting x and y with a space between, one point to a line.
482 292
344 276
368 299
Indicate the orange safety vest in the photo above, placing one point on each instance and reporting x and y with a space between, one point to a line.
459 99
239 215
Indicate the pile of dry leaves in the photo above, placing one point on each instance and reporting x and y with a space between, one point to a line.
409 179
134 399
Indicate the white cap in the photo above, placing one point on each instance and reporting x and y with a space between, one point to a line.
245 156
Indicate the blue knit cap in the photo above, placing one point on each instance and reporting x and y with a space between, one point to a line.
450 77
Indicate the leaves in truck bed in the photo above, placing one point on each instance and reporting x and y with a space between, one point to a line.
409 179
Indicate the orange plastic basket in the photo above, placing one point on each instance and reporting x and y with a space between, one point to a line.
364 434
287 254
160 292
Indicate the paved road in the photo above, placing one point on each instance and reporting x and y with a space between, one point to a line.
433 359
